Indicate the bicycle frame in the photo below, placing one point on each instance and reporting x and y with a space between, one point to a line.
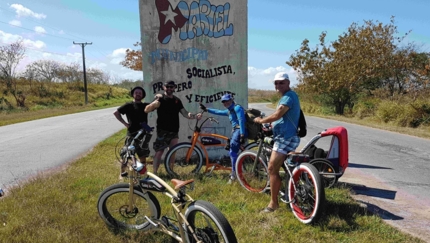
195 141
178 199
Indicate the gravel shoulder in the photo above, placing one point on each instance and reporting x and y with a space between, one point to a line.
396 207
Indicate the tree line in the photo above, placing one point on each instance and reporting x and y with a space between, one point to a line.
367 61
39 72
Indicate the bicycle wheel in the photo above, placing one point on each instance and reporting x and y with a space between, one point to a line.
251 146
178 166
326 171
208 223
253 178
306 191
113 207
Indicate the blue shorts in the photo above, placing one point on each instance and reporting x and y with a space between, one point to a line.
284 146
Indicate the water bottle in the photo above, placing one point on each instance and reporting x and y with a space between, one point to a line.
139 167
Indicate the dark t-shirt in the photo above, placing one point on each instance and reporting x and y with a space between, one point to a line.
168 113
135 113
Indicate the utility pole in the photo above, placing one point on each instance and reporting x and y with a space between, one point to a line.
85 74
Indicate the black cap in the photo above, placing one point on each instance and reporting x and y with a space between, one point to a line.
138 87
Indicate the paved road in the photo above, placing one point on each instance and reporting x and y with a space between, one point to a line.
389 173
31 147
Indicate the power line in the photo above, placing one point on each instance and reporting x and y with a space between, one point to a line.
42 24
98 51
35 31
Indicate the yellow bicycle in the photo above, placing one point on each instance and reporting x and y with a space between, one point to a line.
133 205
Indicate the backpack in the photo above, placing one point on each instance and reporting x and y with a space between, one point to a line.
251 127
302 129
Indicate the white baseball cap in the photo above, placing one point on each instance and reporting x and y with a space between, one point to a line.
281 76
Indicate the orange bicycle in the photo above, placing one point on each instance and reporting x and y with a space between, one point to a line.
185 160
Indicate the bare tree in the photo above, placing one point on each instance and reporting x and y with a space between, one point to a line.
10 56
97 76
45 70
70 73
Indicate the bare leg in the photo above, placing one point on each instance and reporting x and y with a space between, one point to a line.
157 160
276 160
173 142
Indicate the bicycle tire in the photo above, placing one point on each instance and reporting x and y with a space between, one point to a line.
326 171
209 224
252 179
182 169
250 146
309 196
112 205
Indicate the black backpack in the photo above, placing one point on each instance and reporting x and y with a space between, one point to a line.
302 129
251 127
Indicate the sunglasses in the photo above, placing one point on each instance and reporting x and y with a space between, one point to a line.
170 86
279 83
225 101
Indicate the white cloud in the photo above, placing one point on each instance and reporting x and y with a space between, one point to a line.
15 22
61 32
262 78
119 52
34 44
11 38
39 30
22 11
98 65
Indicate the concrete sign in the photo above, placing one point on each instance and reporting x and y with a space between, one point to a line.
202 46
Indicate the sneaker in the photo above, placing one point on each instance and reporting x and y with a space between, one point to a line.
231 180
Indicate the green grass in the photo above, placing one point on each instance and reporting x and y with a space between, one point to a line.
60 206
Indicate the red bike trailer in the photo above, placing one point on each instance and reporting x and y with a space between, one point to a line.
330 160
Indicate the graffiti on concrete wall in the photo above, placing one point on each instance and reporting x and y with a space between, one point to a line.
193 20
199 98
190 53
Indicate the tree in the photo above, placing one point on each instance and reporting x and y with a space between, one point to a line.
44 70
10 56
70 73
133 59
97 76
359 60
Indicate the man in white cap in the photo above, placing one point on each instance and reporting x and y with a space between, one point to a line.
236 114
284 121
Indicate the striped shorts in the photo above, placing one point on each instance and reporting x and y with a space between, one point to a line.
285 146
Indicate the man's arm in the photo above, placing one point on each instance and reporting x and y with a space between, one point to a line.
119 118
187 114
154 104
279 112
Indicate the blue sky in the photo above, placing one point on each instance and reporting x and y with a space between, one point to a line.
276 28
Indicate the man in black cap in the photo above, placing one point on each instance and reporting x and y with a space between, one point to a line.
168 107
135 113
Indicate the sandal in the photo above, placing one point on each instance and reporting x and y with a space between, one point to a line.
268 210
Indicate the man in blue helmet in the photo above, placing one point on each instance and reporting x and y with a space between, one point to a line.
236 114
